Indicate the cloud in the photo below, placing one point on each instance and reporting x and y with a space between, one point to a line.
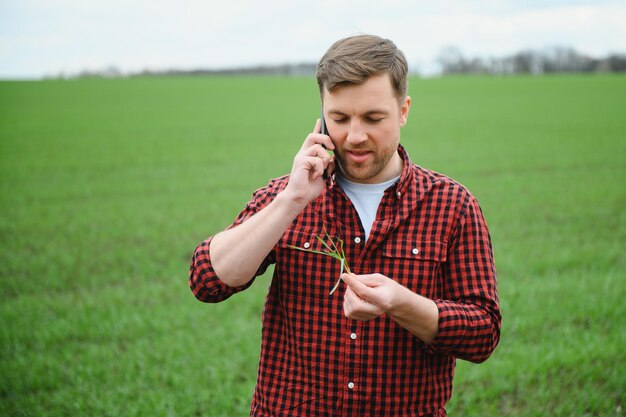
40 37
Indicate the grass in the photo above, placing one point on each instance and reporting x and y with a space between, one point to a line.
106 186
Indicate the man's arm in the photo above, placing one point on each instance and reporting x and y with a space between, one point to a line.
466 324
237 253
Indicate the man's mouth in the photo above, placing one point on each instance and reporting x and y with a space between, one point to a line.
358 156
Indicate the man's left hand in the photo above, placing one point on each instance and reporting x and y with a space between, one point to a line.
368 296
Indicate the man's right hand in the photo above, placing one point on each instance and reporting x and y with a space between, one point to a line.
237 253
306 179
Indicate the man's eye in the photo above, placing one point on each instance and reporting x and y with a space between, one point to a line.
374 120
340 120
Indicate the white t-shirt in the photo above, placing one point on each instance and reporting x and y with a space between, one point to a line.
365 198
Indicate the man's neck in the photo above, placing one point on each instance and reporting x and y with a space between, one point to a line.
393 169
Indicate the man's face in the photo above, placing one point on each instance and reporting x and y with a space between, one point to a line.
364 123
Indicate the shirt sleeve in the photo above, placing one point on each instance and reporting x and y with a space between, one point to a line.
203 281
469 316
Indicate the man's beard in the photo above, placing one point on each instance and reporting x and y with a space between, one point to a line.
361 172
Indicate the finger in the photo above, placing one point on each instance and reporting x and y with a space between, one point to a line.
319 151
358 309
350 303
327 142
359 288
318 139
350 297
314 165
318 126
330 168
371 280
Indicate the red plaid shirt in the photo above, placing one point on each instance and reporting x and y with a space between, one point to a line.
430 236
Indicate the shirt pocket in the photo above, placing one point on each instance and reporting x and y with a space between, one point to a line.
415 263
302 273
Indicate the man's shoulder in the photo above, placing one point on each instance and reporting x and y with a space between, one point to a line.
264 195
274 185
431 181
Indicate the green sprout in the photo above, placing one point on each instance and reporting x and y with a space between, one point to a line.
333 251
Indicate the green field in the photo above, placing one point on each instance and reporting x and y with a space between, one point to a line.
108 185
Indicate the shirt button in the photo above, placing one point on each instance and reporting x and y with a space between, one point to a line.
357 240
307 245
399 194
353 336
350 385
415 251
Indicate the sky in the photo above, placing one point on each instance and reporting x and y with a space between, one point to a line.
50 37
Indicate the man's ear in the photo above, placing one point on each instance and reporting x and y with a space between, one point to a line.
404 110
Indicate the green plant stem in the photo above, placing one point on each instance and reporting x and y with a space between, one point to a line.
334 252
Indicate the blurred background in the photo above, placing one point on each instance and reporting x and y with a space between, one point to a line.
130 131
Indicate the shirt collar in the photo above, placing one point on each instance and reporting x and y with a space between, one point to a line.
401 186
414 183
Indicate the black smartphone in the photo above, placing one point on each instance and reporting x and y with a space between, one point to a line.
324 131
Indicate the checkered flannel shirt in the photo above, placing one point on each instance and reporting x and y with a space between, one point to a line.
430 236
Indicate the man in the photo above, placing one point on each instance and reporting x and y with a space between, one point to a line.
422 289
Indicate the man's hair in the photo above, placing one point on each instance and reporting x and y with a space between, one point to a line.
351 61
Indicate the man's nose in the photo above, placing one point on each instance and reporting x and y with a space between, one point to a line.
357 133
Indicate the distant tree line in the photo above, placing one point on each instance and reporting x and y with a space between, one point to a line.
301 69
548 60
451 61
282 69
